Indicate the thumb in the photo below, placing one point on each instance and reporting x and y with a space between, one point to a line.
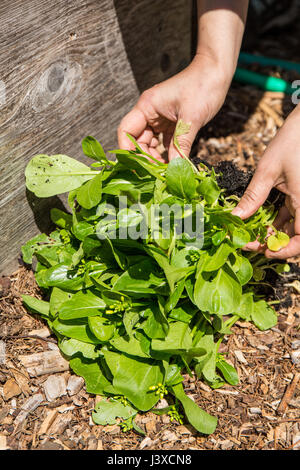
185 141
255 195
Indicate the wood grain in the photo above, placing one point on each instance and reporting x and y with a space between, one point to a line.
71 69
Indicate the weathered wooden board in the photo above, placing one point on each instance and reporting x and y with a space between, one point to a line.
69 69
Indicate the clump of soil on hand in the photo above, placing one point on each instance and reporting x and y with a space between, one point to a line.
235 181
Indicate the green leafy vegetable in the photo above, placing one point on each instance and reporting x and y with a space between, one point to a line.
134 300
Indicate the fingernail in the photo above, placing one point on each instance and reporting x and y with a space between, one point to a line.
237 211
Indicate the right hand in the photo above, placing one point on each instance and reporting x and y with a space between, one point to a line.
194 95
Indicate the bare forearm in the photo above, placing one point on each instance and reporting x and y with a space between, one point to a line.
220 31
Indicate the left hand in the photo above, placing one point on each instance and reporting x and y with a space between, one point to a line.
280 168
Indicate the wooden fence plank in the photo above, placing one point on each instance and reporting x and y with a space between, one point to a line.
69 69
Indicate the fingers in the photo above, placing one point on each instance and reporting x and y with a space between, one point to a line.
135 124
282 218
255 195
256 245
185 141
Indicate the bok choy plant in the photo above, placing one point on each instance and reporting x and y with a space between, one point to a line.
135 300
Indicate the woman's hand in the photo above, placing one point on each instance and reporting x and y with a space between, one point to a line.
279 168
194 95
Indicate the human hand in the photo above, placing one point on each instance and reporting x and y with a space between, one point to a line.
194 95
279 168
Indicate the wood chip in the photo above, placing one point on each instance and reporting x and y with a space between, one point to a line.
226 445
92 443
226 392
47 362
271 112
22 381
162 404
147 442
29 406
112 429
240 356
3 445
288 394
2 352
184 430
65 407
55 387
151 427
99 445
50 417
41 332
295 356
255 411
60 423
169 436
75 384
11 389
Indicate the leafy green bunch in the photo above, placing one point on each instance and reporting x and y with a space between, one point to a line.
133 314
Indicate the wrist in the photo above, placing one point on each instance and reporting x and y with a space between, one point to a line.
219 71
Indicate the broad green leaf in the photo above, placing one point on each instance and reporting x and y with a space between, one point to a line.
57 299
218 237
228 371
82 304
138 163
71 347
93 149
178 339
117 185
129 218
209 189
133 377
216 260
60 276
36 305
101 328
218 292
156 325
128 345
180 178
173 375
107 411
184 312
240 237
83 229
172 273
51 175
61 218
206 365
77 329
90 193
130 318
30 247
140 278
263 316
242 269
246 306
202 421
91 371
175 296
